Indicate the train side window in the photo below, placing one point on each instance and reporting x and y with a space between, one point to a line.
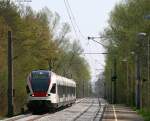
53 90
59 90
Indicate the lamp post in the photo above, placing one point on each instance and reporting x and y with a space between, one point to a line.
138 78
142 34
147 17
114 78
138 73
127 88
127 75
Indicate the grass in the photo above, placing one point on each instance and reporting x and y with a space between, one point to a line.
145 114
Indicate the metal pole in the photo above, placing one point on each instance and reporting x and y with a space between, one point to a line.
138 78
10 75
111 87
115 86
148 72
127 84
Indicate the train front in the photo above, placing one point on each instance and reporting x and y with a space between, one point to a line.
38 84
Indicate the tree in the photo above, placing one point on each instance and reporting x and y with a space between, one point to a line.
40 42
126 21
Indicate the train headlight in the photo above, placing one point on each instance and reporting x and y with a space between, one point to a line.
32 95
48 95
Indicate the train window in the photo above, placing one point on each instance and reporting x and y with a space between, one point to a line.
64 88
40 81
53 90
60 90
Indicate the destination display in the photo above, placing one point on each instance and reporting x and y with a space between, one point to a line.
39 76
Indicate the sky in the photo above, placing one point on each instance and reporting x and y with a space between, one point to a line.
91 17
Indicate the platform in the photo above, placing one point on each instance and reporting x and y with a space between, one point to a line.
120 113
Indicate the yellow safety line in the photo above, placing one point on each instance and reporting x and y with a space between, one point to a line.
115 113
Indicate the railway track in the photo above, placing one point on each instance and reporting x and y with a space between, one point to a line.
91 113
30 116
83 110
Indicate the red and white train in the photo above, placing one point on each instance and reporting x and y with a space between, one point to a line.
47 90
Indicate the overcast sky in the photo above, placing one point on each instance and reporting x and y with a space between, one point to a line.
91 17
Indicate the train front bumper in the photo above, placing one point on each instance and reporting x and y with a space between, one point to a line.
35 105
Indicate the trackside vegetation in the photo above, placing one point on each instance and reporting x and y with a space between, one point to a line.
40 41
124 44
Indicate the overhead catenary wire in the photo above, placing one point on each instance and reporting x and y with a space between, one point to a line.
75 22
71 21
74 19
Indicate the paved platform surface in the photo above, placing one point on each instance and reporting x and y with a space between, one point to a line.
120 113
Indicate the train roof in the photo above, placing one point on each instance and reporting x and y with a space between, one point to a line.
63 80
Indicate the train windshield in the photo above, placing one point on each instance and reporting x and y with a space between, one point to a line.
40 81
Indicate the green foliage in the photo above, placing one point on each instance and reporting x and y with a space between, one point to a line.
146 114
126 21
39 42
